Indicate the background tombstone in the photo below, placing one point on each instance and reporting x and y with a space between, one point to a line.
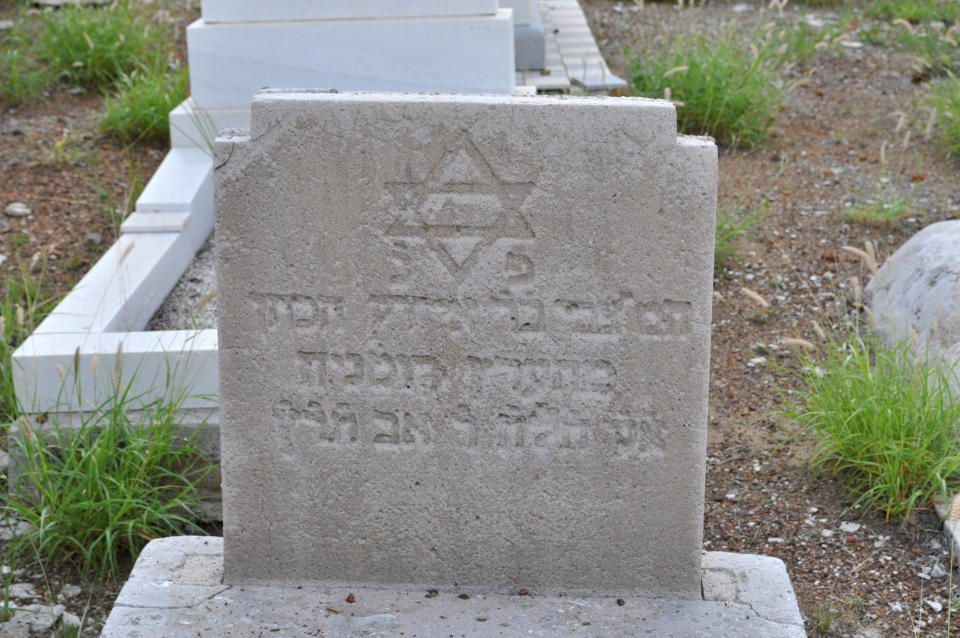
463 341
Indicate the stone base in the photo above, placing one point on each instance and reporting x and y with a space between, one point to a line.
176 590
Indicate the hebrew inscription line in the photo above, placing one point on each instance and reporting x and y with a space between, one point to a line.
507 427
603 319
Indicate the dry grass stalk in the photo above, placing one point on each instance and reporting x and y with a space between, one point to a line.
931 121
755 296
870 261
817 329
126 251
796 342
955 509
905 24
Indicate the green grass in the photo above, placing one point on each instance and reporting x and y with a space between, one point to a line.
945 98
937 50
731 228
114 49
889 209
94 496
721 88
26 302
886 423
93 47
916 10
139 109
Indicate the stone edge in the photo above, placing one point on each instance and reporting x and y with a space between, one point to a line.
168 577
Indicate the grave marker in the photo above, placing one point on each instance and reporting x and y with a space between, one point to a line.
464 339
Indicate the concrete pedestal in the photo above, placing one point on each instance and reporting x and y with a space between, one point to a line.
176 590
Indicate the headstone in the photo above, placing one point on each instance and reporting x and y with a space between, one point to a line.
464 340
241 46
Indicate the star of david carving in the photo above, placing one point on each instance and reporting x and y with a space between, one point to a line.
460 208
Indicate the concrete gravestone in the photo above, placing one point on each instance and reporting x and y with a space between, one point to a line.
464 346
452 354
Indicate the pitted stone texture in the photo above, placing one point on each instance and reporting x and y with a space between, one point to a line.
255 610
462 341
918 289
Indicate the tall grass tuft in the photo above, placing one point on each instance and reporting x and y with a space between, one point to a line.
96 494
916 10
720 87
93 47
945 98
26 302
883 419
731 228
139 109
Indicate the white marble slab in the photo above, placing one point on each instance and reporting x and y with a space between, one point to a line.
523 11
181 182
470 54
155 223
51 372
285 10
582 59
192 126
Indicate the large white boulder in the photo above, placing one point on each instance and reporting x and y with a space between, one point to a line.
919 288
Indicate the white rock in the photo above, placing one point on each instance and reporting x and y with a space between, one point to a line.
826 533
917 291
850 528
17 209
69 591
851 44
71 620
23 590
775 539
934 605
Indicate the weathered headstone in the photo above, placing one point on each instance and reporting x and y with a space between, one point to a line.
464 340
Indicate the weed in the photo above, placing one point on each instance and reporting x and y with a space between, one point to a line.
20 79
883 419
94 47
823 617
944 97
719 87
26 303
98 493
936 51
916 10
888 209
731 228
139 109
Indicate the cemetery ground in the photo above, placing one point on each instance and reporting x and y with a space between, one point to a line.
853 160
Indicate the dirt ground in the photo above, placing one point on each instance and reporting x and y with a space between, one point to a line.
839 140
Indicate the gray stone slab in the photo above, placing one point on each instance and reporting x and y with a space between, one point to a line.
760 603
462 341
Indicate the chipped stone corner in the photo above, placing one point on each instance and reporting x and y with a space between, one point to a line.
761 582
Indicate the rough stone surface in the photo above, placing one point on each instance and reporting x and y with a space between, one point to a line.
463 342
918 291
30 620
753 598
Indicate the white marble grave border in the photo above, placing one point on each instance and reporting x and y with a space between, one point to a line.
95 336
